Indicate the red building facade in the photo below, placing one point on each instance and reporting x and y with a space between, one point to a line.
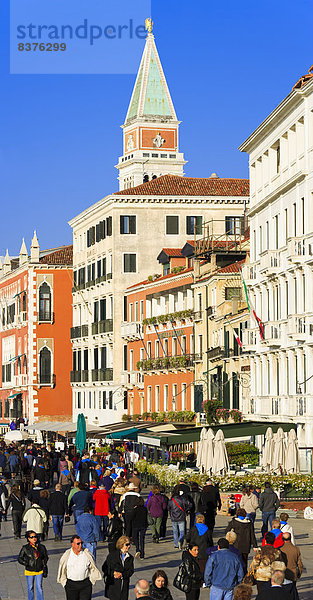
35 347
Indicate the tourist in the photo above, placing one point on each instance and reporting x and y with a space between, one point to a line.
44 501
73 491
200 536
178 506
17 501
183 486
119 488
244 530
79 500
117 570
102 500
142 589
66 480
159 586
34 493
195 495
260 569
139 527
40 474
191 567
107 480
278 534
165 513
57 509
136 481
276 590
35 517
114 531
210 503
268 504
285 527
223 572
34 557
242 592
88 529
126 507
156 506
250 503
293 555
77 571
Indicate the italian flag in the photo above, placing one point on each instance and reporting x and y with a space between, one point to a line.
251 310
237 338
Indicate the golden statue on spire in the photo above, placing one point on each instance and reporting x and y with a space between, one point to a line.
149 25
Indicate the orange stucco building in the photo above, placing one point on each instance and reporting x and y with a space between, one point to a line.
35 347
159 342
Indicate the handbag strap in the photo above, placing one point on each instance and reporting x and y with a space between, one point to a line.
178 505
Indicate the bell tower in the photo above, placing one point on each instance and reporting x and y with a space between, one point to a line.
150 130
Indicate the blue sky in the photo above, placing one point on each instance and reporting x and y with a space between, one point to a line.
227 66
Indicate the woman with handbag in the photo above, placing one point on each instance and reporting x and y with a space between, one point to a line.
34 557
17 501
189 578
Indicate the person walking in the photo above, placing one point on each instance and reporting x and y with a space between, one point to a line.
244 530
88 529
285 527
77 571
126 508
142 589
35 517
117 570
276 590
200 536
159 587
73 491
193 578
250 503
223 572
34 493
293 555
34 557
102 500
136 481
57 509
79 501
14 464
178 506
260 569
210 502
156 506
195 495
17 501
44 503
268 504
66 480
139 527
278 534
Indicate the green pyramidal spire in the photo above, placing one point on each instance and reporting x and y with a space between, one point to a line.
150 97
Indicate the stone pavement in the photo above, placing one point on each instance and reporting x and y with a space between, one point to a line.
13 581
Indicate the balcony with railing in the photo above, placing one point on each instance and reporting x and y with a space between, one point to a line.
270 262
102 327
250 272
46 380
102 374
131 331
81 376
216 353
297 249
297 326
20 380
249 339
45 316
79 331
272 333
166 363
131 379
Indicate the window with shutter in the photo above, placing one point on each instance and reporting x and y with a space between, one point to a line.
103 357
130 263
109 226
103 309
95 358
98 232
193 225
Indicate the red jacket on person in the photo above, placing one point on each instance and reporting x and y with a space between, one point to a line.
102 502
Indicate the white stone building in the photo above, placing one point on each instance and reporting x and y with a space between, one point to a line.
117 240
279 277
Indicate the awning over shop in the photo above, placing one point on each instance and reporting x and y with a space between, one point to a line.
14 395
230 430
129 434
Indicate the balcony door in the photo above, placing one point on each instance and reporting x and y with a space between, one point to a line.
45 365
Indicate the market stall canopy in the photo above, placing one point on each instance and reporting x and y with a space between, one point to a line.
129 434
17 435
292 464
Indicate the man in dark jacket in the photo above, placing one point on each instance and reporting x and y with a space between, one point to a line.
80 500
210 501
178 507
276 591
34 493
268 504
57 509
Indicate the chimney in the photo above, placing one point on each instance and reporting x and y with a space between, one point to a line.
34 249
23 255
6 264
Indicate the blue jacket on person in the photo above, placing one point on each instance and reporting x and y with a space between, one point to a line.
81 499
87 528
223 570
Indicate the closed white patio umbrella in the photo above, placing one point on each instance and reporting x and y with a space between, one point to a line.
279 454
292 463
267 456
208 451
201 448
220 459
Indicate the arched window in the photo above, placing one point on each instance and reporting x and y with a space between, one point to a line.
44 302
45 365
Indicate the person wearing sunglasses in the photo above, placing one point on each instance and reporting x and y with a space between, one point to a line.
77 571
34 557
117 570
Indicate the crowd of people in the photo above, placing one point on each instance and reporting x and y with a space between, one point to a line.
104 496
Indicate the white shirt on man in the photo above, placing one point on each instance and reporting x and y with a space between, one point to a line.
78 566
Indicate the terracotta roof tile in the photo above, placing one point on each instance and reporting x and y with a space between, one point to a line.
174 185
233 268
164 277
61 256
175 252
